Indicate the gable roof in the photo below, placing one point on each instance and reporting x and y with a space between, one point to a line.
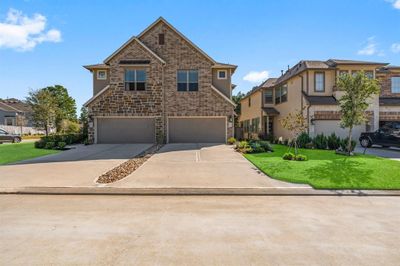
334 62
131 40
96 66
14 105
95 96
161 19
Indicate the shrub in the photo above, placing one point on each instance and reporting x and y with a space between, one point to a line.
256 147
68 139
61 145
40 144
320 142
267 137
286 142
244 147
301 157
343 144
231 141
50 145
303 139
333 142
288 156
309 145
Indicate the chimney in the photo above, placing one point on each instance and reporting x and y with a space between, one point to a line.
281 72
288 67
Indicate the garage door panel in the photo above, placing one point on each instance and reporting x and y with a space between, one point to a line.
125 130
327 127
197 130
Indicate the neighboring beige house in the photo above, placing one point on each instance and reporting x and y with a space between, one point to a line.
160 87
312 84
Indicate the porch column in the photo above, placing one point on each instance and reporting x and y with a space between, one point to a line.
267 125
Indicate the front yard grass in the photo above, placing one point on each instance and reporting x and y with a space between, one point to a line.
327 170
15 152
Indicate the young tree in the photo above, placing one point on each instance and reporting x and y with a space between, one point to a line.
296 123
44 109
21 121
358 90
84 121
66 106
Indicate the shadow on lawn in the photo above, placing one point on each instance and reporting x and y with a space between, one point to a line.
342 173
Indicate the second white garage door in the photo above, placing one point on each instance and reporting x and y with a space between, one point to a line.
197 130
329 126
125 130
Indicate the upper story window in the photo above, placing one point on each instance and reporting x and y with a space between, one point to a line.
135 79
281 93
319 81
249 101
188 80
161 39
222 74
101 74
369 74
343 72
268 96
395 84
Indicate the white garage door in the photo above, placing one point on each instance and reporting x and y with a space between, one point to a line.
197 130
329 126
125 130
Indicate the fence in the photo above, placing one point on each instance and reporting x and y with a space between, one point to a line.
25 130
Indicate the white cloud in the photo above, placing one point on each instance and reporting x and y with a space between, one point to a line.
256 76
395 48
23 33
371 48
395 3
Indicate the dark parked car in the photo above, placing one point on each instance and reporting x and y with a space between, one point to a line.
7 137
386 136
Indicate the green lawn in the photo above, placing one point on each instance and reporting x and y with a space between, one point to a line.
17 152
327 170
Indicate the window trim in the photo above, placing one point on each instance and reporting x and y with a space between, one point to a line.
12 119
315 81
279 88
272 96
135 80
224 71
187 80
105 74
391 85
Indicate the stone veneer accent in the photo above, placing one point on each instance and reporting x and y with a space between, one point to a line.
389 116
178 54
384 77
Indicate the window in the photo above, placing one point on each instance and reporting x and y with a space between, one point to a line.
268 96
281 93
395 84
188 80
222 74
255 124
161 39
369 74
246 126
9 121
343 72
249 101
135 80
319 81
354 72
101 74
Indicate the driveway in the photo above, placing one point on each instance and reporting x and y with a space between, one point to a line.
76 167
199 165
391 153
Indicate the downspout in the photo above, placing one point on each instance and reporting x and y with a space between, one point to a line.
164 116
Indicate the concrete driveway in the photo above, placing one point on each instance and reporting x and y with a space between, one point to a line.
391 153
199 165
76 167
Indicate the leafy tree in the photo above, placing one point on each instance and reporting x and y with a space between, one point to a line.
296 124
44 109
66 106
358 90
238 109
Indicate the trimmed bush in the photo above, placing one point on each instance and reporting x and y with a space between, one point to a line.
259 146
243 147
50 145
343 144
320 142
40 144
68 139
301 157
231 141
61 145
333 142
303 139
288 156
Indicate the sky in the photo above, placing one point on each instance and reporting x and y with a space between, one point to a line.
43 43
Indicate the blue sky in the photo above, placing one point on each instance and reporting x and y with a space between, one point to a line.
262 37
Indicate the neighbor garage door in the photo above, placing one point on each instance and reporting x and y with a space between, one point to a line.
197 130
125 130
329 126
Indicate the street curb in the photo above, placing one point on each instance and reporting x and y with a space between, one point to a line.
196 191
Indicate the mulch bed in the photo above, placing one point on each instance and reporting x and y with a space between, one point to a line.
128 167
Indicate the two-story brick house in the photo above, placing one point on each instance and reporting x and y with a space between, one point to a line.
160 87
312 85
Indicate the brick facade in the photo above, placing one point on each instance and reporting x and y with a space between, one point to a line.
335 115
389 116
161 98
384 77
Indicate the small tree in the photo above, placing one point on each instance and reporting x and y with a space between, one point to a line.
21 121
44 109
236 99
295 123
358 89
84 121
